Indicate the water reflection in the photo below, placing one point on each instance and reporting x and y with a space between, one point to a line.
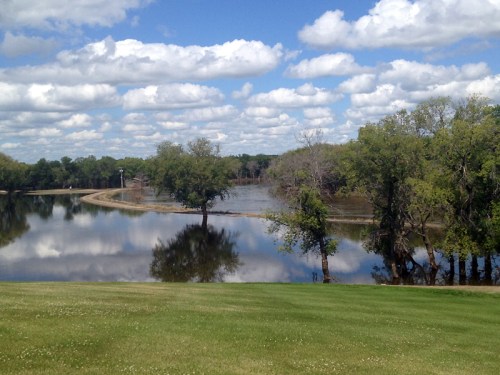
13 222
198 253
59 238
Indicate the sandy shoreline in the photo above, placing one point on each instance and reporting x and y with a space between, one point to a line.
104 197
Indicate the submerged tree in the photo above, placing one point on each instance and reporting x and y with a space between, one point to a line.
195 176
427 191
305 224
306 179
470 157
385 157
439 162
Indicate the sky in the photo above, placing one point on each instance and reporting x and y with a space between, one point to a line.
116 78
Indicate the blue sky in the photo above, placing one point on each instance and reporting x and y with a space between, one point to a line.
100 77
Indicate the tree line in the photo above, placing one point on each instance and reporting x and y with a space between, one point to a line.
92 173
436 164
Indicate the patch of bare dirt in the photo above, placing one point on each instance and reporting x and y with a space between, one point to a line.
473 288
468 288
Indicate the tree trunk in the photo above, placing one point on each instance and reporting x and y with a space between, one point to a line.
474 274
396 279
451 274
204 212
462 272
431 255
488 270
418 266
324 262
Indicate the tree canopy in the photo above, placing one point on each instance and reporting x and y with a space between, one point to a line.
12 174
306 179
195 175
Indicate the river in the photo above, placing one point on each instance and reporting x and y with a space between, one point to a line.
59 238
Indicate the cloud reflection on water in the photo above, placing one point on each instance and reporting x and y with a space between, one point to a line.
109 245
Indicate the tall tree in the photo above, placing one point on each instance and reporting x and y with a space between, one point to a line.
469 154
426 190
306 179
108 172
41 175
385 158
305 224
12 174
195 176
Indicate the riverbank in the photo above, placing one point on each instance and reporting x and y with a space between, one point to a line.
106 198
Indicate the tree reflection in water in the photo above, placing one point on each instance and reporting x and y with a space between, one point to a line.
13 221
15 208
197 253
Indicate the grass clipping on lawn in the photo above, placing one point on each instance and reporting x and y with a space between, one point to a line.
156 328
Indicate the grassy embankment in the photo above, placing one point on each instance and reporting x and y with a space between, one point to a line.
94 328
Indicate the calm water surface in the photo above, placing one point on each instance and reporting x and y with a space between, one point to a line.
59 238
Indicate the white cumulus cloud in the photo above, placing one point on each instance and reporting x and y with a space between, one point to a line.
14 45
406 24
50 97
60 14
172 96
414 75
42 132
338 64
208 114
402 84
304 96
358 83
133 62
78 120
84 135
244 93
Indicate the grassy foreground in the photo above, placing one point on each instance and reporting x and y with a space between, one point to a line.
108 328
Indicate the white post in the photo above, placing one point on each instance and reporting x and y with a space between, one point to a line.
121 177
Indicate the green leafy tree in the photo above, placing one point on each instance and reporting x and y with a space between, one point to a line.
469 154
108 172
12 174
426 190
431 116
306 180
385 157
195 176
133 168
41 175
305 224
427 201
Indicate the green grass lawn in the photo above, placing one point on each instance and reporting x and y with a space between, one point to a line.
129 328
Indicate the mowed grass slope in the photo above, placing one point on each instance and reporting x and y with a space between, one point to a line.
128 328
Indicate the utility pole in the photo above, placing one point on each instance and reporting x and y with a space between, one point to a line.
121 176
